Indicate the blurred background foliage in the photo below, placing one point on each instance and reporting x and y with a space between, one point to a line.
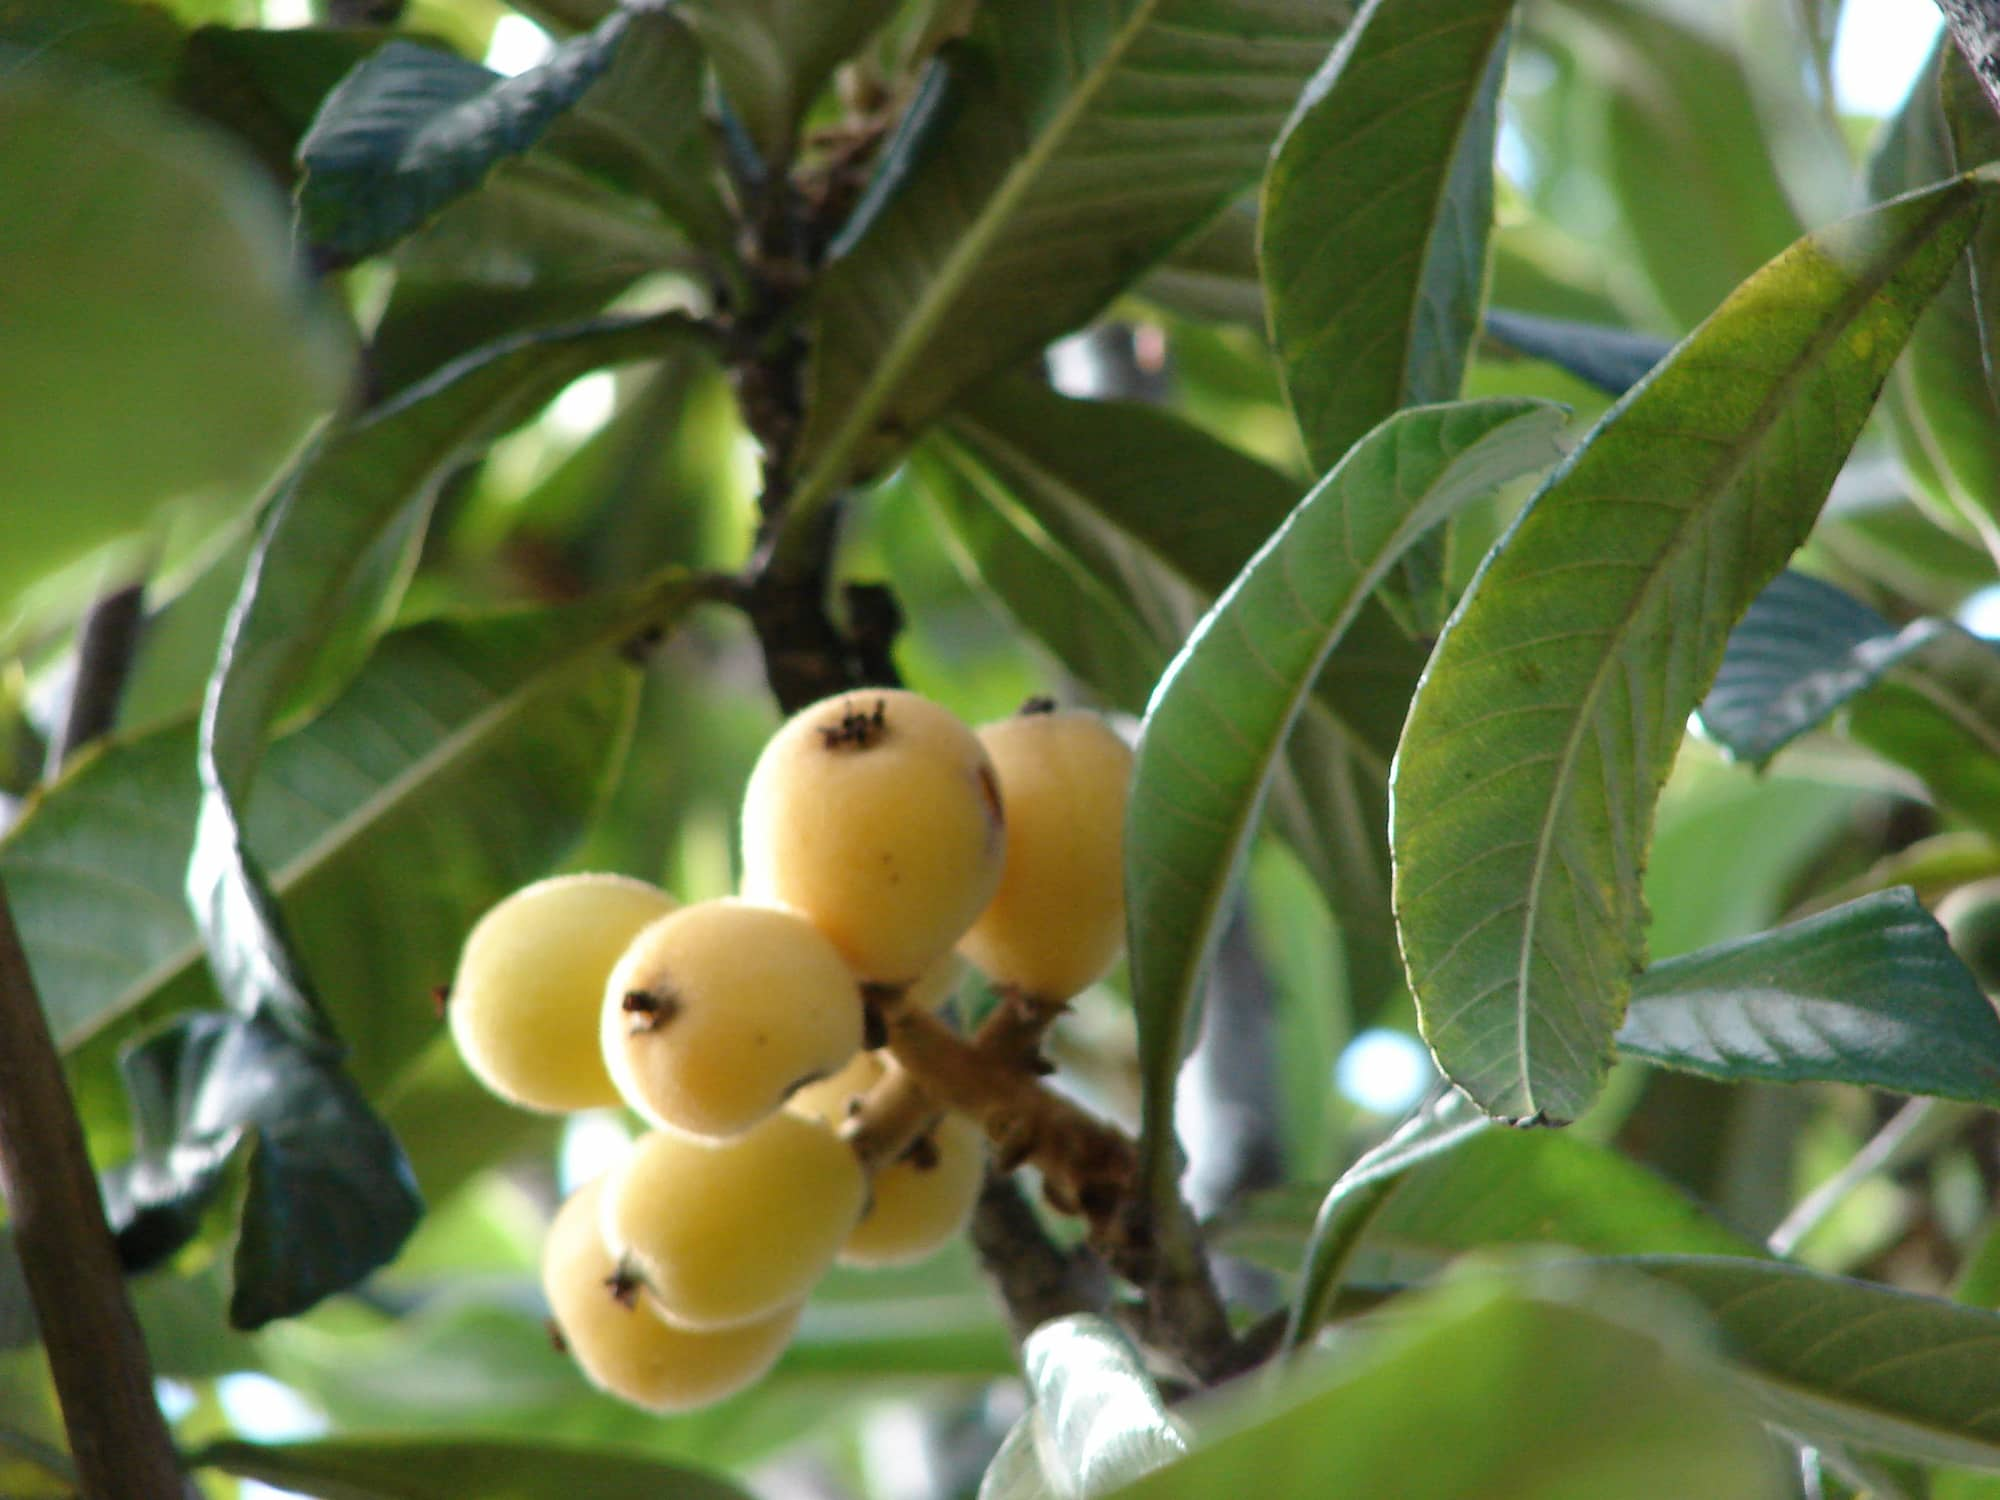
1652 154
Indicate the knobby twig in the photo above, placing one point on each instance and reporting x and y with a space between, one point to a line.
103 1376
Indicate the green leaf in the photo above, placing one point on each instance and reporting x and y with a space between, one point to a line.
318 533
1112 464
1802 651
1376 212
1222 711
1374 259
1483 1389
1057 154
1855 1363
1947 418
1016 1470
412 128
1927 695
473 752
1071 530
1535 752
146 274
1869 993
1937 713
773 57
1975 140
1102 1420
1662 90
434 1469
1214 276
1612 359
640 126
264 87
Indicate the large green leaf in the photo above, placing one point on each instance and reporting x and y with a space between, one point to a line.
1666 89
1375 216
1869 993
1483 1388
1549 718
1855 1363
412 128
1055 154
773 56
471 752
157 349
1225 706
1937 713
449 1469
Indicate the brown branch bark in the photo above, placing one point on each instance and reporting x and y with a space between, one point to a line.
103 1376
104 645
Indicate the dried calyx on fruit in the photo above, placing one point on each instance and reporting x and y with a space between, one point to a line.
877 815
619 1338
717 1012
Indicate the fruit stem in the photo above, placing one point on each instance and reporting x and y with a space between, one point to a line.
103 1378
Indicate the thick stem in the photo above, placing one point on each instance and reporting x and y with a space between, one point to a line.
103 1377
1975 27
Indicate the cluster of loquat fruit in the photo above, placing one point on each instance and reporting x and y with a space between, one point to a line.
882 840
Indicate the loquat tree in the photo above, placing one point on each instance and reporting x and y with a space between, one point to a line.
1005 748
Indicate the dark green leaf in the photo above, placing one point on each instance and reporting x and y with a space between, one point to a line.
1103 1422
1927 696
1802 651
1861 1364
1551 712
1869 993
146 273
1214 275
435 1469
1225 706
412 128
330 1196
1665 90
1068 148
773 56
1481 1389
1974 125
1376 212
1612 359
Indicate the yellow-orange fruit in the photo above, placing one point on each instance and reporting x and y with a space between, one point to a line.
877 815
729 1232
931 990
524 1003
619 1338
917 1203
1057 922
720 1010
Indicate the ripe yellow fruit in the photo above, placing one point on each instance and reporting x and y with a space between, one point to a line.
623 1344
917 1203
717 1012
877 815
1057 922
530 982
728 1232
931 990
